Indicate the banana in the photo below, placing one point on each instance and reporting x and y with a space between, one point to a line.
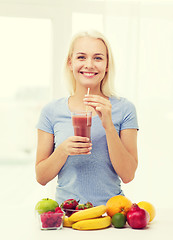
93 212
93 224
66 222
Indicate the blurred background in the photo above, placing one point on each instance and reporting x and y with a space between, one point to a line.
34 37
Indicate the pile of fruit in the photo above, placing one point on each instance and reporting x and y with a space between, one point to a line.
50 214
118 211
121 210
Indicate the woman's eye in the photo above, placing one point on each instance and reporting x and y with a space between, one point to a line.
80 57
98 58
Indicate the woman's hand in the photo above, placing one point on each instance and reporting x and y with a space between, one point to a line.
103 108
76 145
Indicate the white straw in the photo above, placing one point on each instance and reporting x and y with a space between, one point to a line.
88 92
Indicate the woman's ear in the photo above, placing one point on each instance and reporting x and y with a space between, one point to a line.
70 64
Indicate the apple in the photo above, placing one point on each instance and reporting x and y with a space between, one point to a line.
46 205
137 217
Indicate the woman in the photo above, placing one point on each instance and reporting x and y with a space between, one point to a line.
89 171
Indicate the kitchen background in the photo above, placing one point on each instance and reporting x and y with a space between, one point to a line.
34 35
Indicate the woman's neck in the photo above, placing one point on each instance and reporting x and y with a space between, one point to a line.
75 102
81 92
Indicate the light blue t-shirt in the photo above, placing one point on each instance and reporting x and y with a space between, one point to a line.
87 177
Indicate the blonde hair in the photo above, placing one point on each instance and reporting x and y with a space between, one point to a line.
107 84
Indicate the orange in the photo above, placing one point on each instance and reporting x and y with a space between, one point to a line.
149 208
118 204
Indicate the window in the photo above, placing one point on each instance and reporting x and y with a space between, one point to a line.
25 60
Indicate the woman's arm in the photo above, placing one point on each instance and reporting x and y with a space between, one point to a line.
123 149
49 161
123 152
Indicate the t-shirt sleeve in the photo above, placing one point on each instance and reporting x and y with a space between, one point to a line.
44 122
129 117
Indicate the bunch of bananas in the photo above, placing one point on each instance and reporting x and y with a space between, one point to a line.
89 219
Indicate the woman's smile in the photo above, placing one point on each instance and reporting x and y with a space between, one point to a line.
88 74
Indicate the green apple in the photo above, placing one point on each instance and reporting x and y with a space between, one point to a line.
46 205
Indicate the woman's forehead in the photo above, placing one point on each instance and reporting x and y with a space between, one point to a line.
88 44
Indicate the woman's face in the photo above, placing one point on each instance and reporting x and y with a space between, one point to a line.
89 62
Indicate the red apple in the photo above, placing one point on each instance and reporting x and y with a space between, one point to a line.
137 217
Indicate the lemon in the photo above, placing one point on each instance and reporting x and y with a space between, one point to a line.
149 208
118 220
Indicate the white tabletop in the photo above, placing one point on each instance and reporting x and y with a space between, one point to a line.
21 224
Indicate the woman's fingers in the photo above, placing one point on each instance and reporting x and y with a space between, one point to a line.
82 145
102 106
79 139
78 151
76 145
99 103
96 99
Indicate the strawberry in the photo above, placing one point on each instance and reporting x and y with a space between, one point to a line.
88 205
80 207
69 204
58 210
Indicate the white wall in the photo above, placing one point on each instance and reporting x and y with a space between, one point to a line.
141 35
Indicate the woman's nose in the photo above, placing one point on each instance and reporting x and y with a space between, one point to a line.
89 63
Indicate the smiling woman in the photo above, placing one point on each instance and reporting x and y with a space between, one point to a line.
88 170
140 33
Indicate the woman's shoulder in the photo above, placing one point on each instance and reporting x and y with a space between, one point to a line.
124 111
55 104
121 103
118 100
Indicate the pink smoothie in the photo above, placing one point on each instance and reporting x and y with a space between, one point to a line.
82 125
